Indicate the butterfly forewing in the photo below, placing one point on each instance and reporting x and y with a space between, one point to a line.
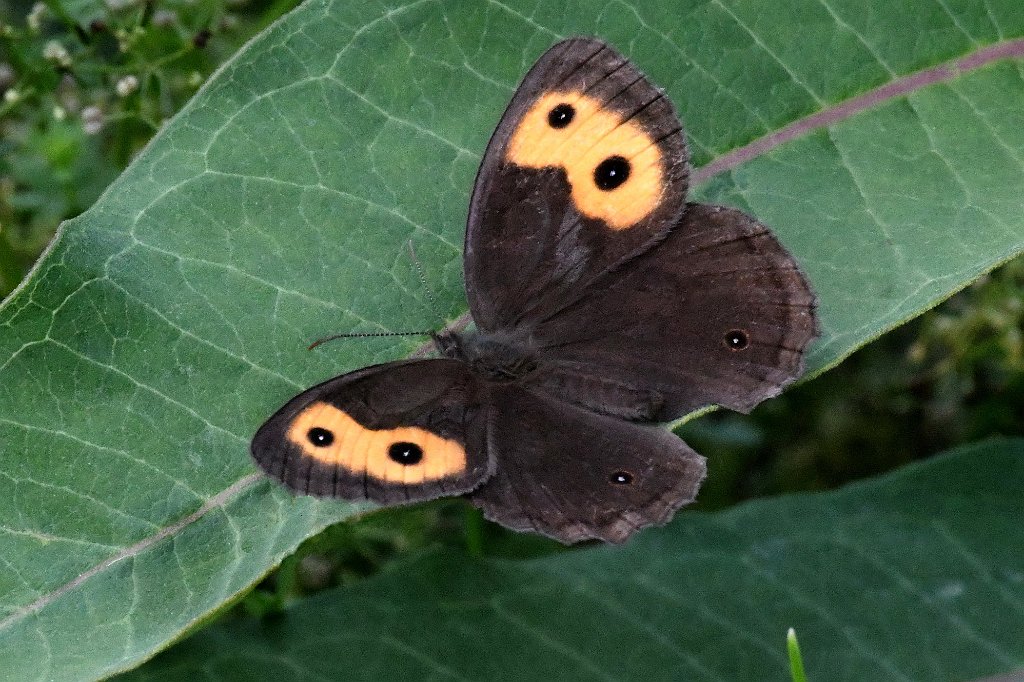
586 168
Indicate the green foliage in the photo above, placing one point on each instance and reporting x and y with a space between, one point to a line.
84 87
172 317
916 576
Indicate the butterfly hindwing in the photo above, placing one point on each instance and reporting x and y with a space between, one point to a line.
573 474
586 168
717 313
392 433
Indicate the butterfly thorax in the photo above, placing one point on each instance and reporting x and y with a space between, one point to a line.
493 356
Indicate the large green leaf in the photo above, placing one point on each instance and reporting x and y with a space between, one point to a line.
169 320
916 576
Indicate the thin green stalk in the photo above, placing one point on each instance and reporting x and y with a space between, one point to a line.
796 661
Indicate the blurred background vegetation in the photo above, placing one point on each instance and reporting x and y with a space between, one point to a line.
83 87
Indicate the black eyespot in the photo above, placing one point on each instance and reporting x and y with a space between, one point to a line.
621 478
319 437
737 339
405 453
611 173
561 116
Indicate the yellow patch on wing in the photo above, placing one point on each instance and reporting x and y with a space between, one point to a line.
357 449
594 134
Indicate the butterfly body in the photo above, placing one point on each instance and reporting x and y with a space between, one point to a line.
496 357
603 304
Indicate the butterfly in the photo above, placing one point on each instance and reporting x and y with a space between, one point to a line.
604 304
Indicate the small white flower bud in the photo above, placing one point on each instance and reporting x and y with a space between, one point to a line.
92 120
34 20
7 75
127 85
56 53
164 18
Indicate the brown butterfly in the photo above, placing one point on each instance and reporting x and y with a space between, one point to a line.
604 303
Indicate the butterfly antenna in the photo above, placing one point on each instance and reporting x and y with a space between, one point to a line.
423 280
363 335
